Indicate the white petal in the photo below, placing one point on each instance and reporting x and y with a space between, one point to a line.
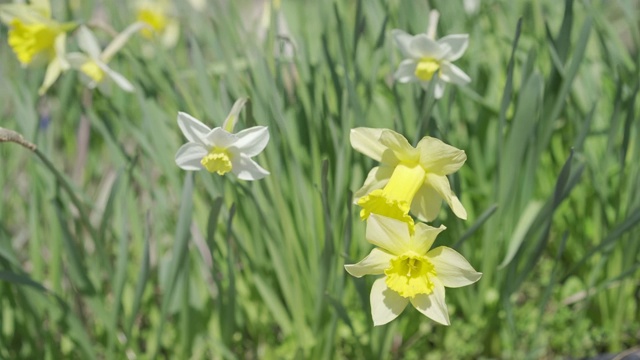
378 177
170 34
421 46
120 80
374 264
426 203
367 142
424 237
452 74
54 69
440 158
386 304
452 268
252 141
120 40
402 40
221 138
399 145
433 305
442 186
88 42
390 234
438 90
457 43
406 71
77 59
247 169
232 118
189 156
192 128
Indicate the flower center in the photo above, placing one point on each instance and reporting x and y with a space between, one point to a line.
92 70
394 200
154 18
410 275
426 68
217 160
28 40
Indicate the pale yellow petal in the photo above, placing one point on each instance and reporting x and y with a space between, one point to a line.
452 268
231 120
389 234
53 72
426 203
399 145
386 304
442 186
439 158
424 237
373 264
433 305
367 142
378 177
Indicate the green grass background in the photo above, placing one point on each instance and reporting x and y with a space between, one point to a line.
109 250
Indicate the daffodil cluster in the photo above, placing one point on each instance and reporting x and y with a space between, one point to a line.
37 38
412 181
408 180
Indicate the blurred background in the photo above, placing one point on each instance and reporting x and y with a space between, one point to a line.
109 250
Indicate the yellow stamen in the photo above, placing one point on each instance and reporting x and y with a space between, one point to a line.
426 68
29 40
394 200
92 70
410 275
217 160
154 18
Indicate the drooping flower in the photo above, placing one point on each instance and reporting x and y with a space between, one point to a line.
92 64
408 179
35 38
219 150
426 58
413 273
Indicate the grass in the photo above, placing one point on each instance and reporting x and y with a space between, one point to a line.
109 250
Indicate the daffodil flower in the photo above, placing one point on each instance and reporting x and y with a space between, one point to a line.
426 58
413 273
408 178
35 37
157 14
219 150
92 64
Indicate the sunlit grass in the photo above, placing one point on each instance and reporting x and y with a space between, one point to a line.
109 250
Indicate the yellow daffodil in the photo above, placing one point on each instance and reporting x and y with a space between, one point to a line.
158 15
93 62
426 57
219 150
408 179
35 38
413 273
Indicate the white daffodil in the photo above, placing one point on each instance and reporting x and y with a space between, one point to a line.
92 64
220 151
35 38
426 57
413 273
162 23
408 178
